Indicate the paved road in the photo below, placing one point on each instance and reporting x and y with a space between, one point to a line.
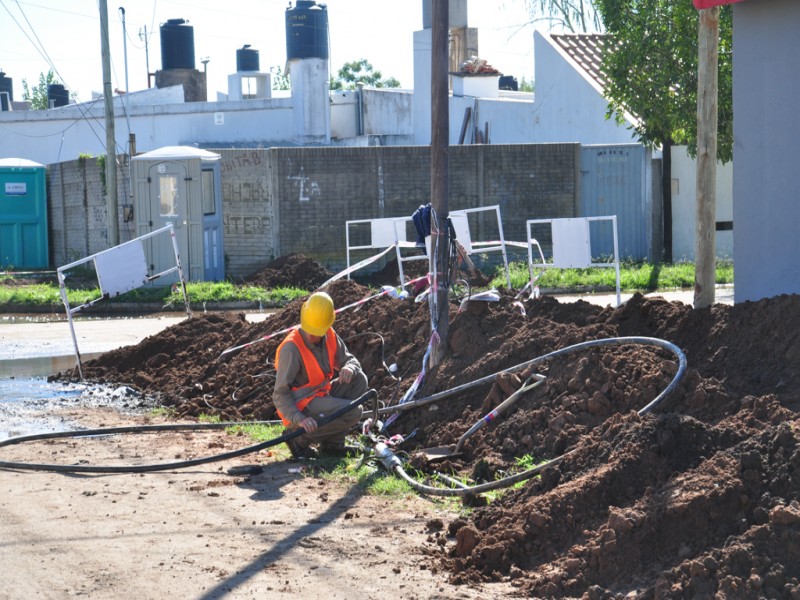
723 295
29 339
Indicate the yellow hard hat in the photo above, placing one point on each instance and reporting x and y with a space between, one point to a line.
317 314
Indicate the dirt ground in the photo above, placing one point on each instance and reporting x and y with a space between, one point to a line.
697 499
201 533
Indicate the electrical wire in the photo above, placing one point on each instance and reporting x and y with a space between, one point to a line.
148 468
393 464
39 46
617 341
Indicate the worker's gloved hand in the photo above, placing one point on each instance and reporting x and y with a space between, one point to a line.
346 374
309 424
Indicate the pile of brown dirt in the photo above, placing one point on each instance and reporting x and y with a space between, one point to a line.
291 270
413 269
390 274
696 499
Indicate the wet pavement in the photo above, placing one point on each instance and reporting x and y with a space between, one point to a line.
33 347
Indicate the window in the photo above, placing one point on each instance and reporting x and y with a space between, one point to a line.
209 205
168 195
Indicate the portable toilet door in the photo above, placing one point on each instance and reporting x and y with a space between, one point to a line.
23 215
213 250
169 186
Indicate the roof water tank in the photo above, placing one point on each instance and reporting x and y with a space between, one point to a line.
247 59
307 30
177 45
57 95
508 82
7 85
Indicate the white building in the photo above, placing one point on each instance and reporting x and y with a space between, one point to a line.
567 106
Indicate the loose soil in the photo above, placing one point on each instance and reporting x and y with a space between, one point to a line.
291 270
202 533
698 498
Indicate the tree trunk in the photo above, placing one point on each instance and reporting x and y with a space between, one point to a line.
666 192
705 224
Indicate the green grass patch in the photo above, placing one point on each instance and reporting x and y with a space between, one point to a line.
204 418
163 411
49 295
258 432
634 276
368 477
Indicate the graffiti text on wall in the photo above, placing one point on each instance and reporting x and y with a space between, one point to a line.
245 225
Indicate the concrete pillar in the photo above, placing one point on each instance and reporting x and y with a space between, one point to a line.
311 108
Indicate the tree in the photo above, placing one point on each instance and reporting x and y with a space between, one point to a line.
361 71
526 85
650 62
37 95
280 80
575 16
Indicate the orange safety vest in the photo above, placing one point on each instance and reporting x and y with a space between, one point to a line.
315 375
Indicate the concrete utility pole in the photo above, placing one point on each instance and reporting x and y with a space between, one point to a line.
705 226
440 139
131 136
111 142
143 36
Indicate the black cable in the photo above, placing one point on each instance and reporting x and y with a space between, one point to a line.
149 428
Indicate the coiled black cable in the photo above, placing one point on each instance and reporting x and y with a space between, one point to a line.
371 394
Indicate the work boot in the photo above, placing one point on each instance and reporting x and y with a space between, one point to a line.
336 449
300 447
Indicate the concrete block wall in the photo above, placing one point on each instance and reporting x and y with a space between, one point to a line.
78 210
316 190
248 221
280 201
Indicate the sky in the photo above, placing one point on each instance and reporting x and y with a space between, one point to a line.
64 35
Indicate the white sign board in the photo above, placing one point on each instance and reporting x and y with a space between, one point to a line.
16 189
571 246
122 268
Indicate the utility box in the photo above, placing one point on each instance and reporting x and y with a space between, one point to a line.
180 185
23 214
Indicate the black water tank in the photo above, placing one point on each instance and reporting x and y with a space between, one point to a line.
177 45
307 30
57 95
246 59
508 82
7 85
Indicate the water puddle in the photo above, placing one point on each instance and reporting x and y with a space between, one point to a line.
30 404
26 405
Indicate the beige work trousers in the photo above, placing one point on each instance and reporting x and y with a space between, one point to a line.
341 395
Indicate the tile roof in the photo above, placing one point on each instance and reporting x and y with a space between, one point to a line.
586 50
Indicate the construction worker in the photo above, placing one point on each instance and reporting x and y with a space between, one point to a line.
305 389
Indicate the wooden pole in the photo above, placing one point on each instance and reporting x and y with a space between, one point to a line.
111 142
705 226
440 140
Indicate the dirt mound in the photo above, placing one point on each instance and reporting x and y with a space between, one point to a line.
291 270
698 498
390 274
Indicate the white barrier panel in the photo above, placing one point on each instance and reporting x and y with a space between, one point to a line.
119 269
572 247
392 231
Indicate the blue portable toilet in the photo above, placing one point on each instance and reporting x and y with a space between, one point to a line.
23 214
